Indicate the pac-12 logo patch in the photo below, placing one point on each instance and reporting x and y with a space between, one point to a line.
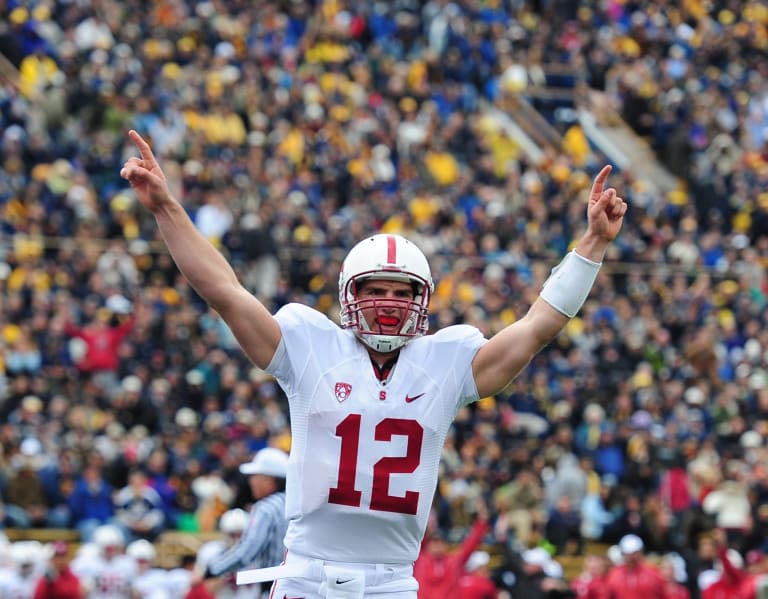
342 391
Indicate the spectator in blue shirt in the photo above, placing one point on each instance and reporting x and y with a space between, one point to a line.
91 501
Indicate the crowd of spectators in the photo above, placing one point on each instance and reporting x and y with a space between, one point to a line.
292 129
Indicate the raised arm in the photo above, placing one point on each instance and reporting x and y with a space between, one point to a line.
203 265
501 359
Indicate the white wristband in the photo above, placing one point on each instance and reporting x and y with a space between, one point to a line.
569 283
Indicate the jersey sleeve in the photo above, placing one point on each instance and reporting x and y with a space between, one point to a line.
453 349
304 331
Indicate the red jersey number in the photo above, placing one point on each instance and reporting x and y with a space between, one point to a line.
344 493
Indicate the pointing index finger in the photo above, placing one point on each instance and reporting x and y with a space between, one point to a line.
602 176
142 145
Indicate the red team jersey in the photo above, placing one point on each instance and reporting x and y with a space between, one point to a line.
642 581
365 452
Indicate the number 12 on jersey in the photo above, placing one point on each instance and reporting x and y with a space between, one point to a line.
345 493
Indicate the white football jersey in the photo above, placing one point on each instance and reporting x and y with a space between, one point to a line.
151 584
365 453
15 586
113 578
177 581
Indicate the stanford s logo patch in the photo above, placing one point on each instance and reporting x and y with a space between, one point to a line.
342 391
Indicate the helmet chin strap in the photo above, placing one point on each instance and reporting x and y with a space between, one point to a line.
381 343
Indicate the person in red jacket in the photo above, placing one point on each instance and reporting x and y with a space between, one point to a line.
734 581
59 582
102 338
634 578
672 568
437 569
475 582
675 487
201 590
591 583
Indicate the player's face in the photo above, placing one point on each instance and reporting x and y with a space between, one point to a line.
385 304
59 561
143 564
595 565
111 551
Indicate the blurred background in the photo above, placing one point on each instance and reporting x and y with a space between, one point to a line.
291 129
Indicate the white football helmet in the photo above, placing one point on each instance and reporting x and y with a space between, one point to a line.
233 521
26 553
207 552
109 539
141 550
392 258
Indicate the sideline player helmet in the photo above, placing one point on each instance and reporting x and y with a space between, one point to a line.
233 521
109 539
141 550
392 258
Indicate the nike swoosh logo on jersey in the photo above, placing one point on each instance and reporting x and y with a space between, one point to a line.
410 398
346 580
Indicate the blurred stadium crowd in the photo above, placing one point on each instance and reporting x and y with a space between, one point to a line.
292 129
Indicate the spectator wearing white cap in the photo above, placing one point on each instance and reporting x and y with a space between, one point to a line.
476 582
634 578
261 543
